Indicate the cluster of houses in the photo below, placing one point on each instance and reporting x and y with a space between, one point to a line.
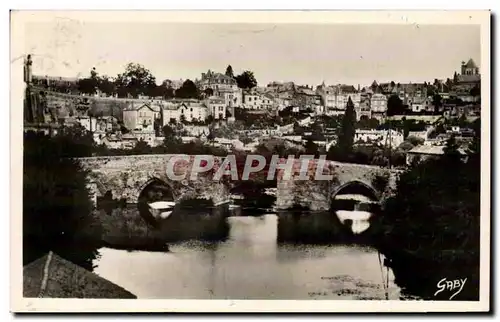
370 101
221 96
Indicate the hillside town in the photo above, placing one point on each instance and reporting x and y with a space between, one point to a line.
394 122
255 161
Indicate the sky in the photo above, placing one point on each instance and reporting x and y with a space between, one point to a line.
307 54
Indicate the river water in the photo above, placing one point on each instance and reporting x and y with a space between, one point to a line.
251 263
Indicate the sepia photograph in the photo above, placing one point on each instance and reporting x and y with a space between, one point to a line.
337 159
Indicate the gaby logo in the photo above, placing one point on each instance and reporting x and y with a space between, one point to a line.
450 285
252 164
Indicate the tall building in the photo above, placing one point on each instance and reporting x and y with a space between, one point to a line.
469 68
469 77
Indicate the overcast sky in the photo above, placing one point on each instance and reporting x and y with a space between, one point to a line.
303 53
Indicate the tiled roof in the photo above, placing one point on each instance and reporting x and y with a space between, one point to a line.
432 149
348 89
471 64
136 107
307 91
469 78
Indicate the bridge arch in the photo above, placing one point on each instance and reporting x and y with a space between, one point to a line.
356 187
155 188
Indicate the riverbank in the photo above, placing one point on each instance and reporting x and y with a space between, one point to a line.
51 276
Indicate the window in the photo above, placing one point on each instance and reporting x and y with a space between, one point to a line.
191 109
249 99
221 108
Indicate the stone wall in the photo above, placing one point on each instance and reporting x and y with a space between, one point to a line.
127 176
316 194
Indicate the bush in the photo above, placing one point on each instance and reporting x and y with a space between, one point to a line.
56 203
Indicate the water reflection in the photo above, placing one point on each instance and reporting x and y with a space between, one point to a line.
259 258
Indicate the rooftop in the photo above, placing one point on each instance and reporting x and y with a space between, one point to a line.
471 64
431 149
468 78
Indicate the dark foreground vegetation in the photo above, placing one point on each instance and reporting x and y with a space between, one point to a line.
430 228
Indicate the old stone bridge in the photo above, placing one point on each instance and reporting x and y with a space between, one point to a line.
125 177
374 182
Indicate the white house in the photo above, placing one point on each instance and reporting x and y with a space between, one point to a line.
187 110
420 104
221 86
424 152
217 107
383 137
254 100
140 117
378 103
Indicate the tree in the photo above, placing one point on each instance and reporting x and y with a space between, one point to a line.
347 131
229 71
246 80
438 226
136 80
182 119
367 123
56 201
311 148
451 150
209 92
394 106
474 149
462 121
437 101
170 140
86 86
406 127
141 147
455 78
106 85
475 91
187 90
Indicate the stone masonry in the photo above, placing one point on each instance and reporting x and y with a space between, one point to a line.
317 195
127 176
